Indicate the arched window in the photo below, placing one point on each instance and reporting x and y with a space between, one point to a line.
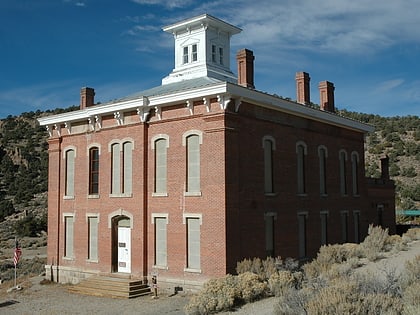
160 145
322 154
269 146
343 173
121 167
192 140
93 171
355 172
69 172
301 151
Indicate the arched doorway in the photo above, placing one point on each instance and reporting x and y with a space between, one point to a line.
121 244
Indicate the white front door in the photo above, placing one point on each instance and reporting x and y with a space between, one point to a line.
124 249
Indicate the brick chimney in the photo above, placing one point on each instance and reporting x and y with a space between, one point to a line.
245 59
302 88
326 94
87 95
385 167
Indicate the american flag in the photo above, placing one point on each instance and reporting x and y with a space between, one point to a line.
18 253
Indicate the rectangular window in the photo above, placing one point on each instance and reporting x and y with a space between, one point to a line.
160 241
221 61
93 238
193 164
380 209
185 55
268 166
324 228
356 219
160 165
213 53
344 227
302 235
269 235
194 56
193 243
70 157
69 236
93 171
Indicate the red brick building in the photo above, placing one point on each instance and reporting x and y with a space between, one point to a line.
190 177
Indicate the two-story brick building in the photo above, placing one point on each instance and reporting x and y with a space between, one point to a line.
188 178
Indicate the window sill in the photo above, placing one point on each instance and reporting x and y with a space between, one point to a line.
192 193
160 267
68 197
68 258
191 270
302 195
93 196
324 195
92 261
356 195
270 194
161 194
120 195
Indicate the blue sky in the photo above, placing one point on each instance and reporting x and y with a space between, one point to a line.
369 49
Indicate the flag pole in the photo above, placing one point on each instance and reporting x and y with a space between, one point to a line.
14 260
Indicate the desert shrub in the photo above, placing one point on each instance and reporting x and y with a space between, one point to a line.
217 295
374 243
412 234
343 297
329 258
225 293
411 299
292 302
250 288
263 268
282 281
395 243
411 272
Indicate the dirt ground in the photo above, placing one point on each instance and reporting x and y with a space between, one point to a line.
51 299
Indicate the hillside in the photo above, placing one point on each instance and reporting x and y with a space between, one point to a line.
24 164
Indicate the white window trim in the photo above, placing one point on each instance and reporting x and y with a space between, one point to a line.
186 216
157 137
188 133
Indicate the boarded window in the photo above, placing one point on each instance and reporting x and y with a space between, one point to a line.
356 219
160 242
344 227
127 168
301 169
269 235
193 241
69 236
115 169
355 173
193 163
69 189
322 171
268 166
93 238
343 175
324 228
302 235
160 165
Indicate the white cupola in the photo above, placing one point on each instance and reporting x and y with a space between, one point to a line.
202 49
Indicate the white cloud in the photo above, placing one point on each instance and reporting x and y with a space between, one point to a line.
387 86
168 4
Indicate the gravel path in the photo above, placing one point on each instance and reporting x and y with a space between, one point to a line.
53 299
